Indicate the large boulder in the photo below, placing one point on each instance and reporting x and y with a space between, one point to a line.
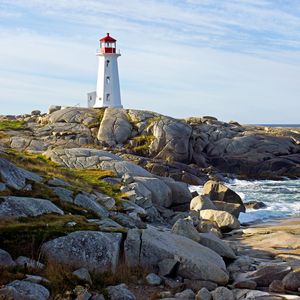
161 194
12 206
96 251
292 280
5 259
172 139
219 192
180 191
224 220
201 202
24 290
187 229
14 176
150 246
232 208
211 241
115 127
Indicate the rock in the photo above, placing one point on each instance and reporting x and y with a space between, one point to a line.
12 206
185 228
255 205
232 208
219 192
186 294
5 259
14 176
180 191
107 201
36 112
73 115
222 293
36 279
245 284
203 294
196 261
53 108
277 286
127 221
201 202
172 139
120 292
167 266
115 127
214 243
29 263
153 279
265 275
173 284
95 251
223 219
63 194
197 285
2 187
161 194
292 280
89 202
58 182
25 290
127 179
83 274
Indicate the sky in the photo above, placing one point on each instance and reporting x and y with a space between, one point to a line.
232 59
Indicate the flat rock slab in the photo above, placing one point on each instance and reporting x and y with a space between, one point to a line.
96 251
12 206
14 176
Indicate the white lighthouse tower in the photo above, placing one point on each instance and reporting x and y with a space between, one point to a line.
108 86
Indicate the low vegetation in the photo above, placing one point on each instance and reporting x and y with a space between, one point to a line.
11 125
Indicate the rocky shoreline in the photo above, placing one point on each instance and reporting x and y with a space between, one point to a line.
95 204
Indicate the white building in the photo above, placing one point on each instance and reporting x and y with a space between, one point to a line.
108 86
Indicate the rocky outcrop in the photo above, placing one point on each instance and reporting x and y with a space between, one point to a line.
12 206
172 139
95 251
115 127
151 246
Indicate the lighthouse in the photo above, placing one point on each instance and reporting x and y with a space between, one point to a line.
108 86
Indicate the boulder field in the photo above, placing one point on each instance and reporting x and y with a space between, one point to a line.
95 204
184 149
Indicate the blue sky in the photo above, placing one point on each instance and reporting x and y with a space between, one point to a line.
234 59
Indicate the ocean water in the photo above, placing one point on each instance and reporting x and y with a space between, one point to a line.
281 197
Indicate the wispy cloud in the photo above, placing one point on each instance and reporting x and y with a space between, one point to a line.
203 56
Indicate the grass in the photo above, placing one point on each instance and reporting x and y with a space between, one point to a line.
80 178
100 113
24 236
11 125
143 143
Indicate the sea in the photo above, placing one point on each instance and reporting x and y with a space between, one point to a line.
281 197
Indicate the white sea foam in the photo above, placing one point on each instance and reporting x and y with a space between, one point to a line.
281 197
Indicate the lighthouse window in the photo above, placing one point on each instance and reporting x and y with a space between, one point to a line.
107 63
107 97
107 79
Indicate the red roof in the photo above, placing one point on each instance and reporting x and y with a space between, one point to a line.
108 39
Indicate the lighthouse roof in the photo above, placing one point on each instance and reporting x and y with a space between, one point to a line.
107 38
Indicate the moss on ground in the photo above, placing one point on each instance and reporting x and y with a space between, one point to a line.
143 143
24 236
11 125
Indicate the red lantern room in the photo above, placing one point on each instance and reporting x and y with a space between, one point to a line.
108 44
